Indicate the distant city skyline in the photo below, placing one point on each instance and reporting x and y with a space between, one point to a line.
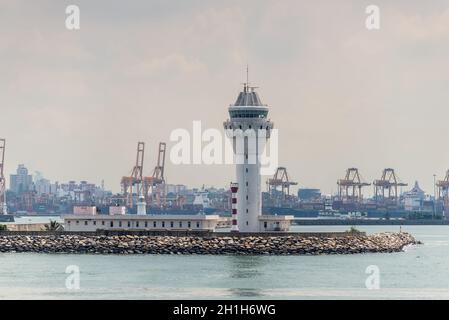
73 104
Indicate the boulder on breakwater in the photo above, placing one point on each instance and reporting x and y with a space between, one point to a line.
294 244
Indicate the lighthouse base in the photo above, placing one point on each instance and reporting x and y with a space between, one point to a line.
267 223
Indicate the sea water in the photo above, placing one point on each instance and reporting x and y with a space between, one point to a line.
420 272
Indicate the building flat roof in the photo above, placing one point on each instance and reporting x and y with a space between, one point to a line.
275 218
145 217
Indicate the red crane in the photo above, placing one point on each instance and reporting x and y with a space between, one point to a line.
350 187
155 185
134 184
386 188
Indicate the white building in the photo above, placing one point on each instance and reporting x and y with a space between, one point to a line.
269 223
248 124
135 222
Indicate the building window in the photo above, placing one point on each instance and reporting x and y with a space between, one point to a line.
68 222
246 222
77 222
197 224
180 224
95 223
171 224
137 224
102 223
246 183
189 224
129 224
154 224
246 210
246 170
265 224
112 224
246 197
163 224
146 224
119 223
85 223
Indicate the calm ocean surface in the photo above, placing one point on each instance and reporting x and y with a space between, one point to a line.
421 272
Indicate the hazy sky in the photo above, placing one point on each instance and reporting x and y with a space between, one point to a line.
73 104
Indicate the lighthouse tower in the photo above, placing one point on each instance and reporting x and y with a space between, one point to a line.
248 116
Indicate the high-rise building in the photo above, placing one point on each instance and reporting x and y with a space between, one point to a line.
43 186
21 181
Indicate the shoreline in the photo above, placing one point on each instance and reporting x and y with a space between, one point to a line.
346 243
368 222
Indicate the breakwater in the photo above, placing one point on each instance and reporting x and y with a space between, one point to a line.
368 222
216 245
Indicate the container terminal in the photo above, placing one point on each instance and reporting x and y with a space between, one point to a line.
34 195
150 193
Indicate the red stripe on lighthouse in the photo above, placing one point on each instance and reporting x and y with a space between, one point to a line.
234 190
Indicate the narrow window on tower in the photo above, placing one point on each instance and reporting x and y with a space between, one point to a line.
246 183
246 197
246 210
246 170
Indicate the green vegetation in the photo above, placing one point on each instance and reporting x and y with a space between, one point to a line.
53 226
3 227
353 229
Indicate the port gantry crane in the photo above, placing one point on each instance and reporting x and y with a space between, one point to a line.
3 207
443 189
280 179
350 187
387 187
135 179
155 185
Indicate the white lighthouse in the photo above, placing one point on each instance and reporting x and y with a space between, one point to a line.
248 118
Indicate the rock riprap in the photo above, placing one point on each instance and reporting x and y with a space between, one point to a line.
248 245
